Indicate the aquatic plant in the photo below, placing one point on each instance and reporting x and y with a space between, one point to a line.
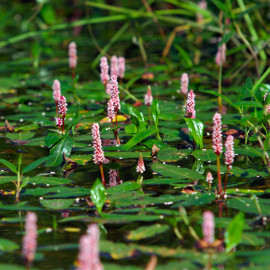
62 110
217 145
88 257
98 152
190 108
104 71
184 83
140 168
114 68
72 53
29 244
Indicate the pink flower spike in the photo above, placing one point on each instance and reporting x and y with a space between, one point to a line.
62 106
217 134
110 110
30 237
221 55
115 93
88 258
98 152
104 70
148 98
229 154
72 53
56 90
208 227
209 178
184 83
121 67
140 167
114 66
190 109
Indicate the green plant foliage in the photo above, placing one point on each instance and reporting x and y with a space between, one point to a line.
98 196
233 234
196 127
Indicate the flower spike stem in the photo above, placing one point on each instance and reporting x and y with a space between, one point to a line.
219 176
102 174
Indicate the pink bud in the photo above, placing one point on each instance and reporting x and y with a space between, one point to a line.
140 167
30 237
115 93
62 106
56 90
114 66
104 70
209 178
88 258
72 53
208 227
98 152
221 55
190 109
217 134
148 98
184 83
121 67
229 154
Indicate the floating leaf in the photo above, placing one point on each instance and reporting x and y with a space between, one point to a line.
173 171
147 232
57 204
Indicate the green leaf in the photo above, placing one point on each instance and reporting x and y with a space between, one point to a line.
137 138
147 232
57 204
233 234
247 103
155 112
196 127
51 139
97 194
20 136
34 164
57 151
25 181
205 155
7 245
9 165
173 171
217 94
